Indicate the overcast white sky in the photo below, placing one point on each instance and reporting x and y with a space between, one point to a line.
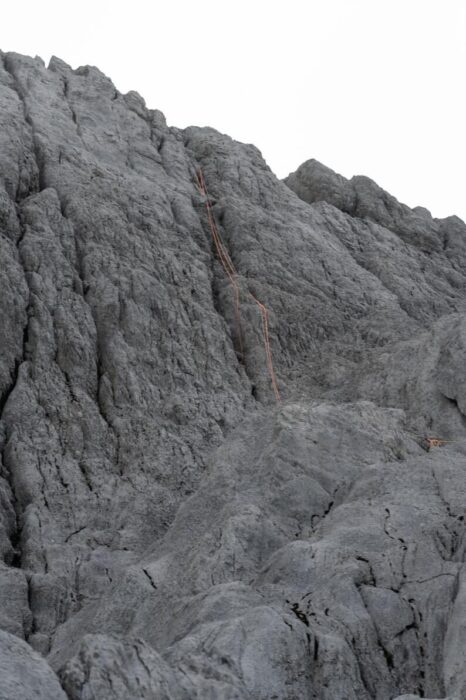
371 87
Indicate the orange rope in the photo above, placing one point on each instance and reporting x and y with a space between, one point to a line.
268 351
435 442
232 274
224 258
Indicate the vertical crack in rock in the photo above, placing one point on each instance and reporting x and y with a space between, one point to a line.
72 110
16 536
29 122
220 283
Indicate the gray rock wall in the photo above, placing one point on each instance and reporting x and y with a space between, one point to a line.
167 530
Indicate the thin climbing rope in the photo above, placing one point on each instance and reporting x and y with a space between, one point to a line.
225 259
432 442
232 275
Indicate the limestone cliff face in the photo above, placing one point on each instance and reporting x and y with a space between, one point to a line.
167 529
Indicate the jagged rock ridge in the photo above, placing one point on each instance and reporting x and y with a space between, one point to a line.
167 530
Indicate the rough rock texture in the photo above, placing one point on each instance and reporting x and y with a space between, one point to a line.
24 673
167 530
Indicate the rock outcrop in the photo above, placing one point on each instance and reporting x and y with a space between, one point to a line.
167 529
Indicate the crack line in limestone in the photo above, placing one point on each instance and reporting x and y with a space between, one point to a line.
432 578
456 536
151 580
38 183
15 538
71 108
28 120
232 275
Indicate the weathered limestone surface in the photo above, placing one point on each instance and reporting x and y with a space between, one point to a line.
167 530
